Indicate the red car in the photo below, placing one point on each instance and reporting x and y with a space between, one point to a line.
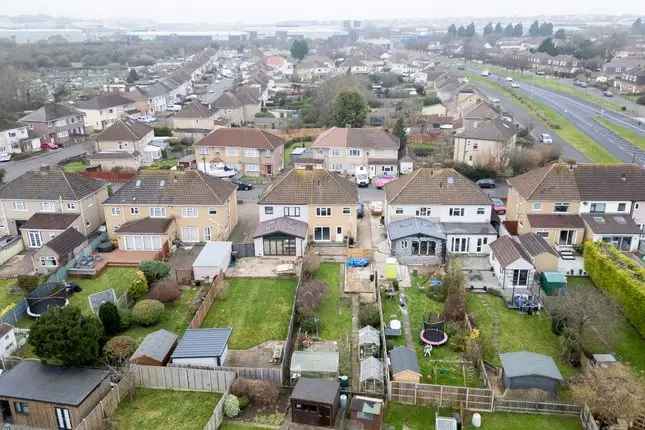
498 206
380 182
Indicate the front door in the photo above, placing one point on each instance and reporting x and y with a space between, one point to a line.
339 234
6 411
566 237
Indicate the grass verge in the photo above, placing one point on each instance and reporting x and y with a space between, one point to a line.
627 134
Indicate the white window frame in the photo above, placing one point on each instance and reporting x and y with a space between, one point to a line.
354 152
161 212
48 261
116 211
347 211
47 206
203 150
561 204
398 211
292 211
268 210
457 245
456 211
212 211
536 206
63 419
252 168
189 212
35 239
322 229
624 207
251 153
323 212
232 151
19 205
481 211
194 236
71 206
134 210
424 211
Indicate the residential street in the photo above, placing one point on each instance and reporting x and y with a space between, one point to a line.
50 158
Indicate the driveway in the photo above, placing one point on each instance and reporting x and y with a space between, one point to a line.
247 221
49 158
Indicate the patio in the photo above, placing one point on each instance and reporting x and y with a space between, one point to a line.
258 267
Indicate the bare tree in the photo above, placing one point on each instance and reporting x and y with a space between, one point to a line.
454 309
612 393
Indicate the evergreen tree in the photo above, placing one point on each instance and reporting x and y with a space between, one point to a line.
461 31
534 30
488 30
109 316
470 30
399 130
549 47
509 30
518 30
349 110
452 31
498 28
133 76
299 49
638 27
546 29
560 34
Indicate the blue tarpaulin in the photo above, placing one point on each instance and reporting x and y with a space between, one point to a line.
357 262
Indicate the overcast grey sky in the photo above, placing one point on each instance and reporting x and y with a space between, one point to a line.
266 11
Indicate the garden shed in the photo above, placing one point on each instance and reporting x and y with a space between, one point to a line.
155 348
315 402
525 370
371 376
404 365
369 340
366 413
511 264
314 364
214 258
202 347
553 283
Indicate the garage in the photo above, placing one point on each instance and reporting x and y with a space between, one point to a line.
282 236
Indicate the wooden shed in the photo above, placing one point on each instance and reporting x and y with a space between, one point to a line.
404 365
366 413
35 395
315 402
155 349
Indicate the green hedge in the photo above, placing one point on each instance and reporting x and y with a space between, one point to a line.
621 277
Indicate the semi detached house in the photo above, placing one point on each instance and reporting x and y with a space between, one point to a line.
303 205
157 208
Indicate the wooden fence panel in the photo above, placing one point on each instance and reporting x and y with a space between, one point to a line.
216 288
96 419
182 378
474 399
522 406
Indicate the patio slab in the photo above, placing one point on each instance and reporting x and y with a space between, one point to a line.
258 267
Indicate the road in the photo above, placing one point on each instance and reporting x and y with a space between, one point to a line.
522 116
16 168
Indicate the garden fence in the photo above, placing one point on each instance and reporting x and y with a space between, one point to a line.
218 413
523 406
216 287
272 374
588 421
182 378
473 399
98 417
291 335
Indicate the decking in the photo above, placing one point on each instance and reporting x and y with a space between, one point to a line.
116 258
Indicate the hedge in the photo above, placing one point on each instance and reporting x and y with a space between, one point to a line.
622 278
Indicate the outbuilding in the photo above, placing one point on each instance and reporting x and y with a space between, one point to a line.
417 241
525 370
213 259
202 347
155 349
404 365
369 341
281 236
541 253
314 364
366 413
315 402
511 264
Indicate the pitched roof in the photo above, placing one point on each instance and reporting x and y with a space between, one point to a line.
315 361
50 184
286 225
50 112
156 345
524 363
560 181
536 245
316 390
49 221
414 226
104 101
202 342
146 226
487 129
481 111
441 186
367 138
194 109
611 223
369 335
188 187
310 187
32 380
125 130
242 138
371 368
507 251
403 358
555 220
64 243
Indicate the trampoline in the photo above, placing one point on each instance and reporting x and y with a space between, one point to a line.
47 296
433 333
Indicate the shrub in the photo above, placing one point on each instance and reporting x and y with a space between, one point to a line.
622 278
369 315
422 151
166 291
244 402
454 308
310 265
309 297
109 316
431 100
240 387
139 287
641 100
231 406
147 312
154 270
260 393
475 173
28 283
126 318
118 349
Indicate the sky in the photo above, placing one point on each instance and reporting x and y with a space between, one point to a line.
267 11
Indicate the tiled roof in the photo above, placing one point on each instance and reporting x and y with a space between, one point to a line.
367 138
104 101
307 187
536 245
240 137
286 225
50 184
50 112
64 243
488 129
440 186
582 182
507 251
611 223
194 110
124 130
481 111
146 226
188 187
555 221
49 221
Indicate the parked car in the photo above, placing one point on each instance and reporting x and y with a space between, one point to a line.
360 210
498 206
243 186
509 79
48 145
380 182
5 156
376 207
515 85
545 138
486 183
223 172
607 93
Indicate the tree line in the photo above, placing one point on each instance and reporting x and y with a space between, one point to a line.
509 30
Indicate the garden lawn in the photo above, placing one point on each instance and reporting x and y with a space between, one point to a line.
257 309
629 345
335 313
228 425
74 167
392 311
398 415
175 317
163 409
631 136
7 298
567 131
512 331
119 278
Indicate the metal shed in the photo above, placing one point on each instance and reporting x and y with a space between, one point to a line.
525 370
213 259
553 283
314 364
203 347
369 341
371 375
